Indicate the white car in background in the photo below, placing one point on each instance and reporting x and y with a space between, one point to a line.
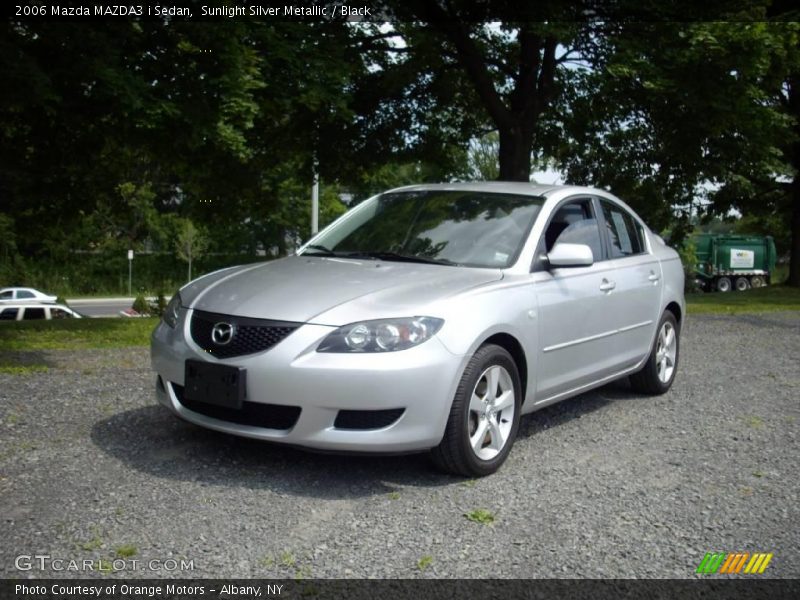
33 312
23 295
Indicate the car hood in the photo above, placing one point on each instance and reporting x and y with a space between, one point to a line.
330 291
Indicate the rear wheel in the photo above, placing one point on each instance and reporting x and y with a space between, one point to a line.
742 284
484 417
757 281
658 373
724 284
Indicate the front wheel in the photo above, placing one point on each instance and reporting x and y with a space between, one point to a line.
484 416
658 373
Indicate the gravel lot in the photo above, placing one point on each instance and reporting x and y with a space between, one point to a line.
609 484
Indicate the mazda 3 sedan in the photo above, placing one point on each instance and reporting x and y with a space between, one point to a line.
428 318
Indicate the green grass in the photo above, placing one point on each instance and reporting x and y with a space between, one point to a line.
76 334
126 551
767 299
21 369
424 562
480 515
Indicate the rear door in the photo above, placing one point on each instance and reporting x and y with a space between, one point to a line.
635 301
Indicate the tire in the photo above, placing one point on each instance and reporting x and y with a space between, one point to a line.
757 281
659 370
742 284
480 431
724 284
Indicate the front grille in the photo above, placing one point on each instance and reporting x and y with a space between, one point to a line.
249 335
255 414
367 419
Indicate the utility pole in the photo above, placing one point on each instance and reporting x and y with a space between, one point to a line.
130 270
315 200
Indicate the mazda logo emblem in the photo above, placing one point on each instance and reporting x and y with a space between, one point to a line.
222 334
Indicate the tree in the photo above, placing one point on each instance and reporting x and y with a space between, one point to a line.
681 118
191 244
505 76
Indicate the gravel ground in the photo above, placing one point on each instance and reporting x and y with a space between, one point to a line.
609 484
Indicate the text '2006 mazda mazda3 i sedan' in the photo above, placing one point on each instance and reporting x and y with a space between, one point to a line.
429 317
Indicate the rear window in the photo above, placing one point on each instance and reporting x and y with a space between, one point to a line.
625 234
59 313
25 294
8 314
33 313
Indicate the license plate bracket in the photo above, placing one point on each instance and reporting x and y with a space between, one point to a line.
211 383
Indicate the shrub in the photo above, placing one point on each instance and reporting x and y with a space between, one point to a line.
158 306
140 305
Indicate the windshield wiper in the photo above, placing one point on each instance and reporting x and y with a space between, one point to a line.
402 258
319 250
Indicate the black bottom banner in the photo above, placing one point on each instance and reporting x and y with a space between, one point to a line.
412 589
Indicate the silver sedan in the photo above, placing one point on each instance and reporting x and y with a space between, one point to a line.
429 317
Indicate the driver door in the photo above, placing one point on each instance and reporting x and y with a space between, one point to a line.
574 330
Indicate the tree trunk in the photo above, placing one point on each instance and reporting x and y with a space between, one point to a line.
516 146
794 252
190 267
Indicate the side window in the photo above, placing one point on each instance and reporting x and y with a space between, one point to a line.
7 295
59 313
574 223
9 314
33 313
624 233
25 294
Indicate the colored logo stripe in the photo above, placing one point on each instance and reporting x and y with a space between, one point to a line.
734 562
711 562
758 564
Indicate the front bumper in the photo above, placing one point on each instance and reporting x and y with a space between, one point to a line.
421 381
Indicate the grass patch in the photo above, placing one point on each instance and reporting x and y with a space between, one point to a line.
267 561
394 495
288 559
76 334
753 421
424 562
22 369
126 551
766 299
480 515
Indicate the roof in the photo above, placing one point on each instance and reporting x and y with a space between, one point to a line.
500 187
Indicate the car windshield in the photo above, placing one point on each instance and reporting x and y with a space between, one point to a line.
476 229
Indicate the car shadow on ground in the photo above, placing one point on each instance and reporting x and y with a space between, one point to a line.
571 409
153 441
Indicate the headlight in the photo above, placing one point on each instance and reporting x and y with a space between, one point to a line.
384 335
170 316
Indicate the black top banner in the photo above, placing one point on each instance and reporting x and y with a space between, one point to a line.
411 10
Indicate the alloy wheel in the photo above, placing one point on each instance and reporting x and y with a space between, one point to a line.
491 412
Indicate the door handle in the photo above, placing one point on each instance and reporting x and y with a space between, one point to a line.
607 286
653 277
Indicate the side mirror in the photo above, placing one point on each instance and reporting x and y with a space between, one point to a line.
570 255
